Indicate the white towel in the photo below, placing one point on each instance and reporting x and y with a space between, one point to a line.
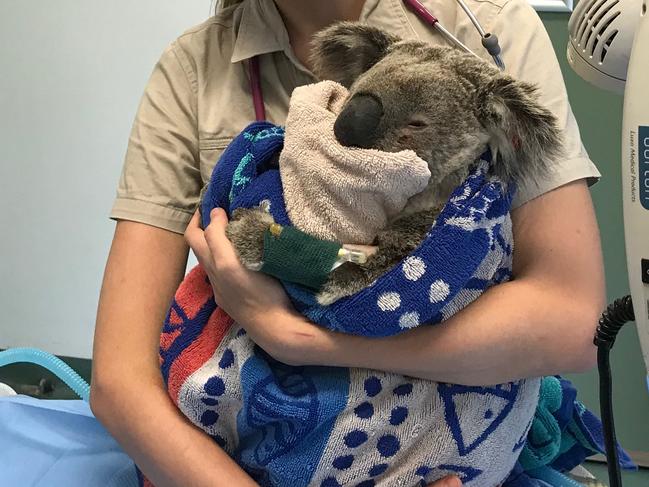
335 192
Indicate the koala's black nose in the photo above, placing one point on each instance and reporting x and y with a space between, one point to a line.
356 125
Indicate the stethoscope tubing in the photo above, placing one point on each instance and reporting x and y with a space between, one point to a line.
424 14
489 41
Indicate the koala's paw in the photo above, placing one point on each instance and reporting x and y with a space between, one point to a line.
330 293
349 278
246 232
346 280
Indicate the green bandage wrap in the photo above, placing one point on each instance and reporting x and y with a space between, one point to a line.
295 256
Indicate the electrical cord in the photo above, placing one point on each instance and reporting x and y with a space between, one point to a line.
616 315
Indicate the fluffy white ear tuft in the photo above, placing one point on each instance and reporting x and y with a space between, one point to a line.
524 137
346 50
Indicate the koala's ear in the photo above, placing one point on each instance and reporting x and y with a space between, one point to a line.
524 136
345 50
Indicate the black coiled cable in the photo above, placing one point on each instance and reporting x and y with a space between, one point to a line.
616 315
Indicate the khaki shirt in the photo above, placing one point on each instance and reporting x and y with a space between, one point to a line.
198 96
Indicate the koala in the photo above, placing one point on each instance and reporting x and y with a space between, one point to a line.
446 105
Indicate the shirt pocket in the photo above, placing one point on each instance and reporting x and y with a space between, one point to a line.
210 149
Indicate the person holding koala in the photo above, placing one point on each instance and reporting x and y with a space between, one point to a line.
541 323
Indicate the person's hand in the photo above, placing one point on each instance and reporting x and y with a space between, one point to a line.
254 300
449 481
243 294
260 304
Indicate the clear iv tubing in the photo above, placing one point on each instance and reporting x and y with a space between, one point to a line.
54 364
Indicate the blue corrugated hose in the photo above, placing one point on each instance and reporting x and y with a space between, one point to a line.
54 364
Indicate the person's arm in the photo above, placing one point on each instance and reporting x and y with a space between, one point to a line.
541 323
128 395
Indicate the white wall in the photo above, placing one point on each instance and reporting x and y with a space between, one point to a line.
71 75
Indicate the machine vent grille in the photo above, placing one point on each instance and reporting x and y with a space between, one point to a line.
607 44
583 19
594 33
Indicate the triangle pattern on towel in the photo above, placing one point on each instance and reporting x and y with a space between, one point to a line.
501 403
523 439
174 317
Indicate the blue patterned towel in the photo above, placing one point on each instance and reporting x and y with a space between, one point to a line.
327 427
562 435
467 250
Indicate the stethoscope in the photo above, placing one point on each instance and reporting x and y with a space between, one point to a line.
489 42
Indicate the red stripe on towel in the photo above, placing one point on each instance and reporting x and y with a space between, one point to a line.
193 293
174 319
199 352
166 339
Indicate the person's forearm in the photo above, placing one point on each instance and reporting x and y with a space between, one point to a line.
128 395
542 322
514 330
163 443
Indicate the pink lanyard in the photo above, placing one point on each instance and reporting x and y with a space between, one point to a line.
255 88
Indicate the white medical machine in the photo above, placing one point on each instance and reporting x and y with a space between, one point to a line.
609 47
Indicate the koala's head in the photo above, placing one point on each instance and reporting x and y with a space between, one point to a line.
446 105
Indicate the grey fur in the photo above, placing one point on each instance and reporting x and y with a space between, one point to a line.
344 52
394 243
246 231
448 107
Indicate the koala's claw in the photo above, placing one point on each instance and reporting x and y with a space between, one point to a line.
265 205
350 278
246 232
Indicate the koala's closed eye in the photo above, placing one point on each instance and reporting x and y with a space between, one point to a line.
417 123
